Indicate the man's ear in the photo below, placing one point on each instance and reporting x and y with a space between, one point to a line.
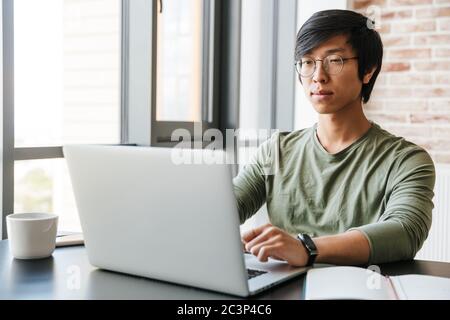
369 75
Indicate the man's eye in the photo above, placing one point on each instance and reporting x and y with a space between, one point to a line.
334 61
307 62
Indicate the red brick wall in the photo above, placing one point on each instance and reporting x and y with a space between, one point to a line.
412 95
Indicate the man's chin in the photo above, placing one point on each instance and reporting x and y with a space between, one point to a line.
324 108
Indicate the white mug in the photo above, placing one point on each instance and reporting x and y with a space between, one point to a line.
32 235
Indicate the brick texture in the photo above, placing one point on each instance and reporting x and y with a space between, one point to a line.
412 98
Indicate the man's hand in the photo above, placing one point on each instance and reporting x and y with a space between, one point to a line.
269 241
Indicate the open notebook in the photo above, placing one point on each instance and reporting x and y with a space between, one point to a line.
364 284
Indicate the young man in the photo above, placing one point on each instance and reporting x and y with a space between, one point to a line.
345 191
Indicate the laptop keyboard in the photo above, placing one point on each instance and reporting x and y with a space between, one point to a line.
251 273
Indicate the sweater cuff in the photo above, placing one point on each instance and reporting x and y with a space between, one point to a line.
388 241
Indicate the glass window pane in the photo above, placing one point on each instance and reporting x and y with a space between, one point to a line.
44 186
179 61
67 72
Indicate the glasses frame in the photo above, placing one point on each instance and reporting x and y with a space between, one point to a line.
297 65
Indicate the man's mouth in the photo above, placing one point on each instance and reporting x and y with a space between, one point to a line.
322 93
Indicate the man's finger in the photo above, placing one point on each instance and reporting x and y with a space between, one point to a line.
268 251
254 249
249 235
243 248
269 232
262 238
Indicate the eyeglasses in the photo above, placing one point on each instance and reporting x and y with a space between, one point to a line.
333 64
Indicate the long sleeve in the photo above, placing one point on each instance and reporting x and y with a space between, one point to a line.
406 221
250 183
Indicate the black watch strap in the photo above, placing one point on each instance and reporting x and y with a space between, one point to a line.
310 247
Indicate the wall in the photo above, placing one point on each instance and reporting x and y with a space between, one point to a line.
412 95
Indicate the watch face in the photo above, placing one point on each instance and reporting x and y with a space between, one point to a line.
309 243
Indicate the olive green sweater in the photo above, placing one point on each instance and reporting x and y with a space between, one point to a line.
381 185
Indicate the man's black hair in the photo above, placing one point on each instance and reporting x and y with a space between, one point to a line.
362 37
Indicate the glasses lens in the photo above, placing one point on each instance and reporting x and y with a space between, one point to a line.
333 64
307 67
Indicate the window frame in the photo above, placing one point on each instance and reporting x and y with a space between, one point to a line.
269 34
8 112
140 21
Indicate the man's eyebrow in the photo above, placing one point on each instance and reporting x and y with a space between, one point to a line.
335 50
330 51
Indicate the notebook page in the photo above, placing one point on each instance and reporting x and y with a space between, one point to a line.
422 287
346 283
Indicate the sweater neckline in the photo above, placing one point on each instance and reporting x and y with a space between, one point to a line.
347 149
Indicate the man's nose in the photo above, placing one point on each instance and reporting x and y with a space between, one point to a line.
320 75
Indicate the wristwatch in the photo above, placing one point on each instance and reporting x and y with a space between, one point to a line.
310 247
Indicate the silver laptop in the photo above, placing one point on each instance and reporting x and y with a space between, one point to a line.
143 214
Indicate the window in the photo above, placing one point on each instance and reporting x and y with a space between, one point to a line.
176 86
179 61
66 90
44 186
267 78
104 71
67 80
